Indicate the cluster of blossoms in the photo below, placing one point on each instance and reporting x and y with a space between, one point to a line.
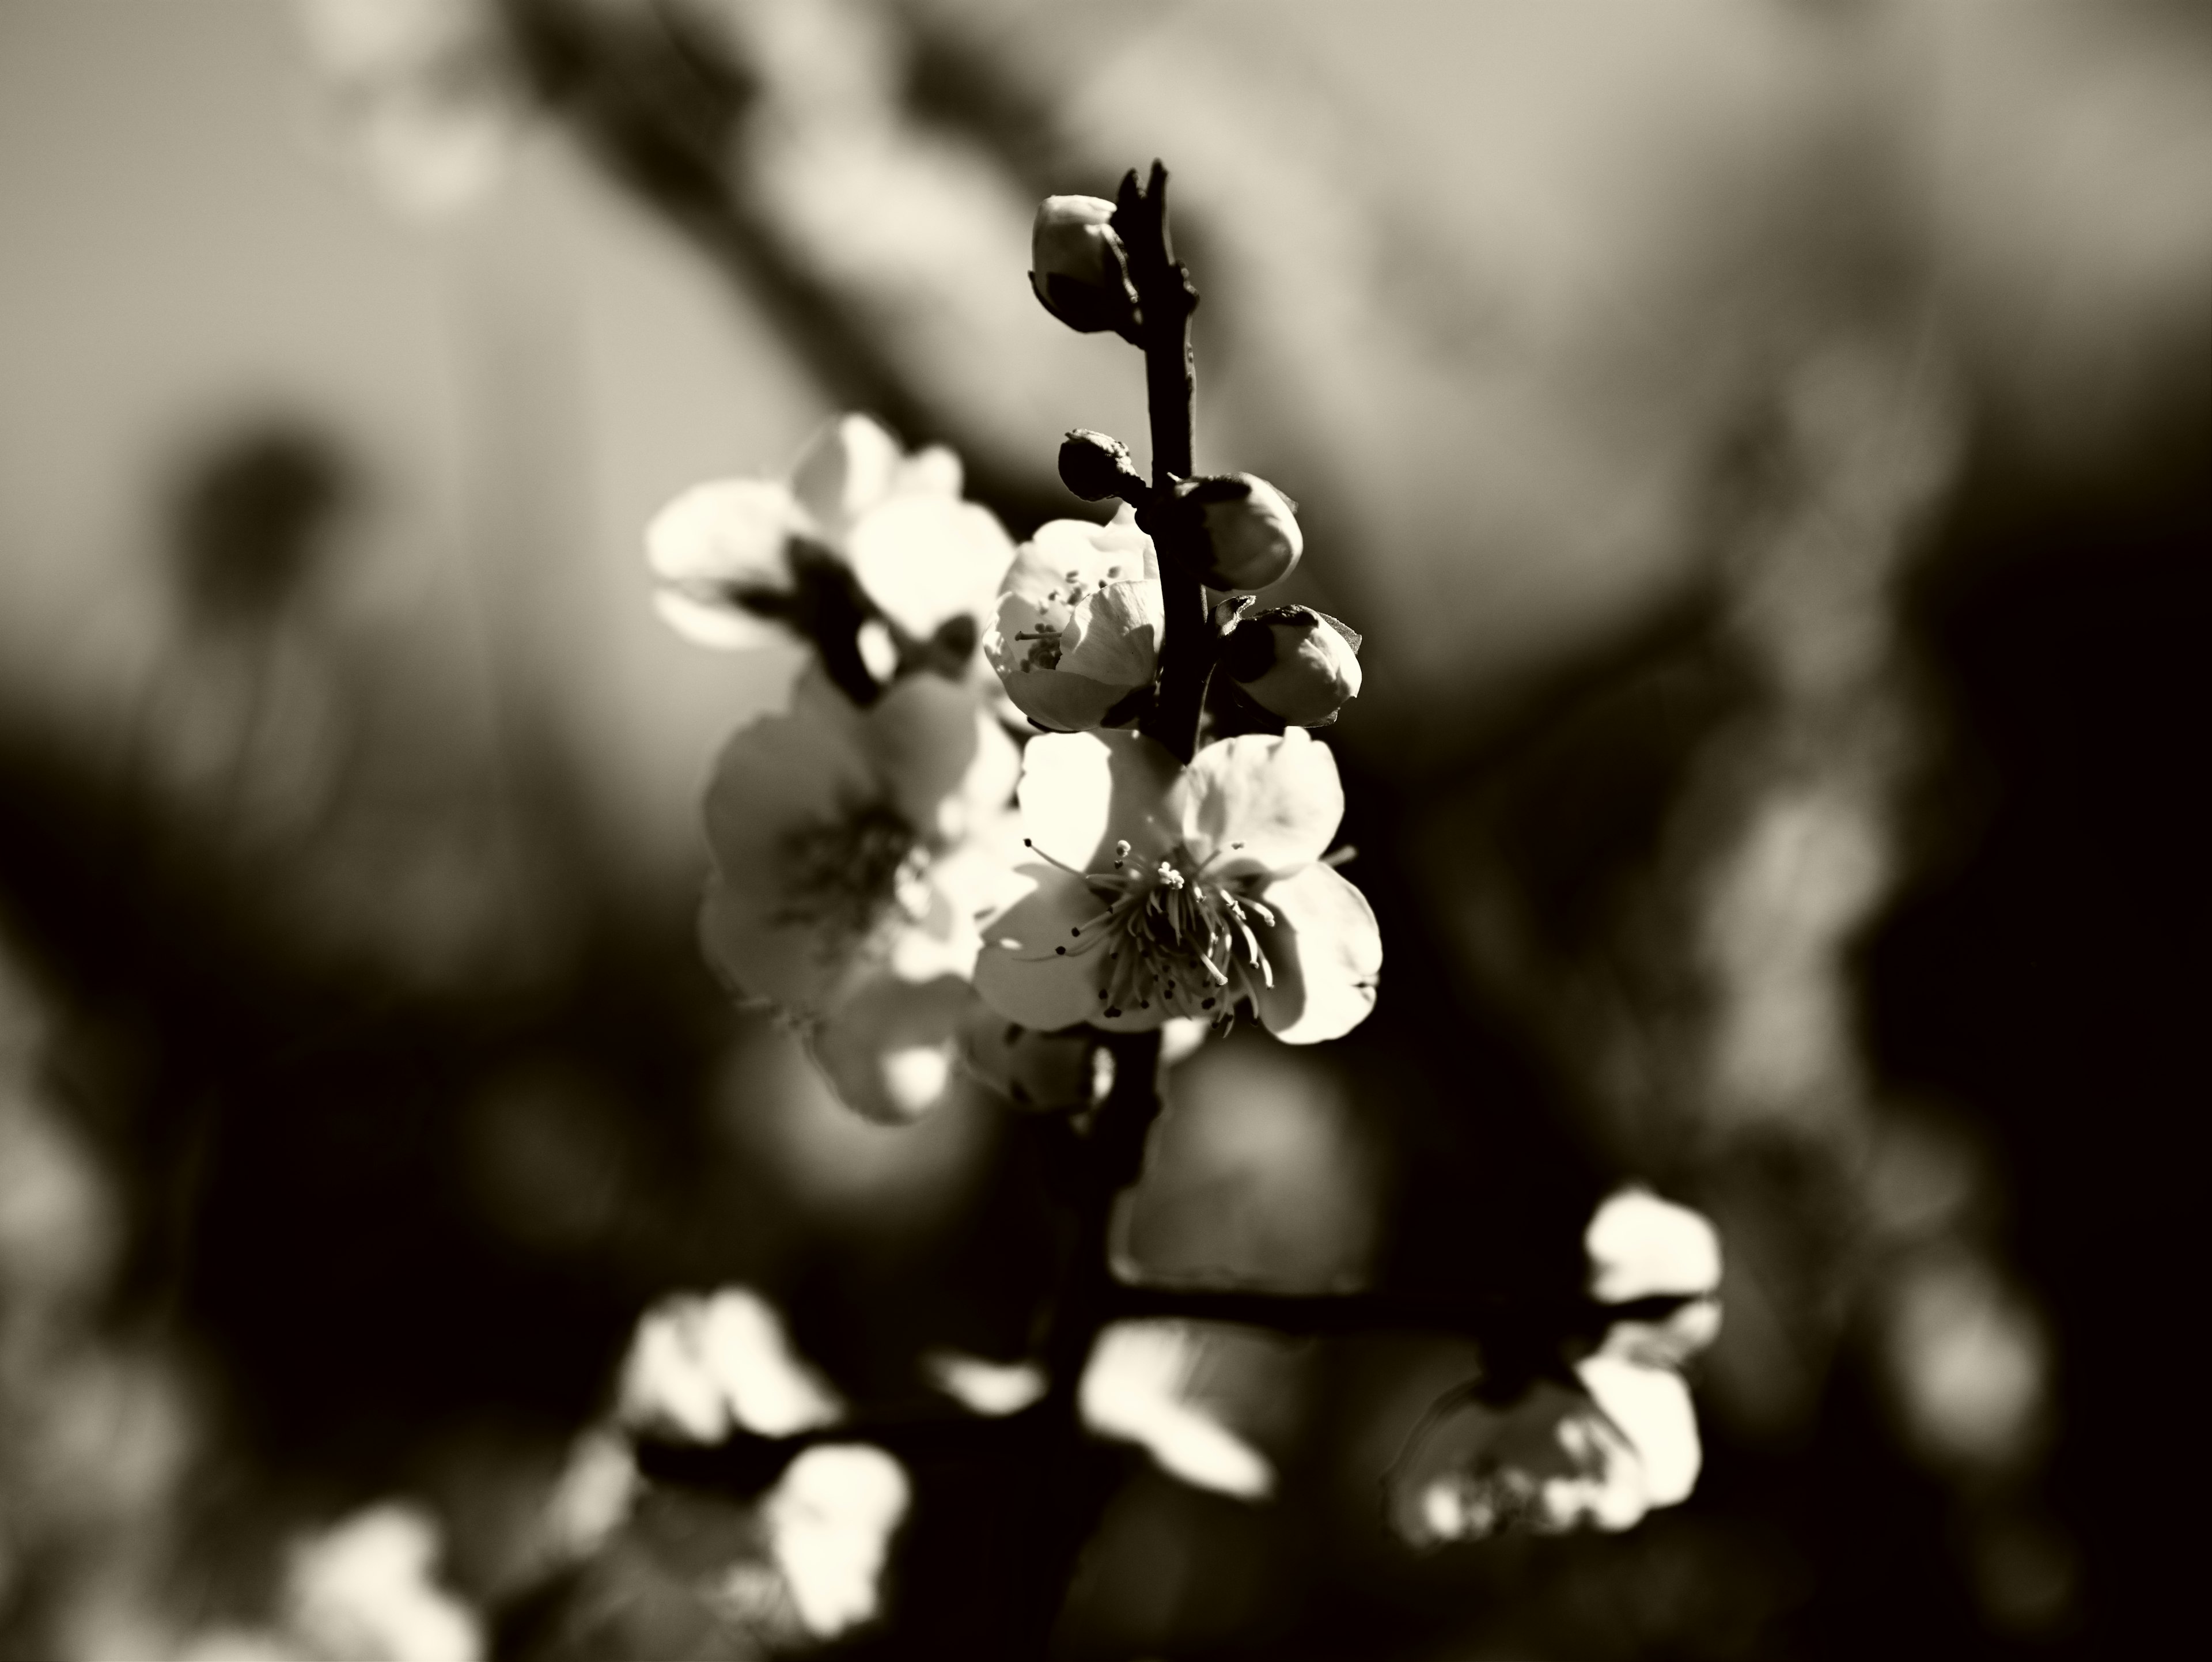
897 876
1010 815
1609 1438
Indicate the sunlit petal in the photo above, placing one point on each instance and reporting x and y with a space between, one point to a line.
731 533
925 559
1328 954
846 468
1641 1246
1079 792
1279 797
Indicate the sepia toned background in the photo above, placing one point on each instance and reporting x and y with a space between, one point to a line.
1763 445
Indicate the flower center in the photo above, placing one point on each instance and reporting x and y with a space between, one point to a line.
1055 611
840 876
1174 933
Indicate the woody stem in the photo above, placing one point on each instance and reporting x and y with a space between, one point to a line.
1165 300
1074 1484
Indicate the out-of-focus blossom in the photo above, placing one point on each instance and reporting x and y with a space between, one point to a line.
1079 268
1137 1389
1297 663
1642 1247
1161 891
854 850
1601 1447
1097 466
830 1522
1968 1361
984 1387
592 1496
1078 624
427 91
1242 533
700 1366
364 1588
741 561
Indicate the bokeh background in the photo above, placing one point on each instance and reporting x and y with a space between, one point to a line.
1765 446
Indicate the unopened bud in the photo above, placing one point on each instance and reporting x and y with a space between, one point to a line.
1297 663
1078 267
1096 465
1243 532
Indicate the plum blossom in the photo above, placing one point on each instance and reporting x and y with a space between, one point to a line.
1079 623
700 1365
1157 891
854 850
829 1522
1605 1441
1137 1388
742 560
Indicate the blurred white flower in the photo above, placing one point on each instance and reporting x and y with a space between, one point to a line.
1079 623
853 850
1161 892
1137 1389
593 1495
1968 1360
697 1367
829 1521
1641 1246
425 91
1555 1458
361 1592
1604 1450
732 555
984 1387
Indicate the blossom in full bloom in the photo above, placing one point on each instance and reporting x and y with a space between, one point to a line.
1295 662
854 850
741 562
1079 623
1605 1441
1158 891
1078 269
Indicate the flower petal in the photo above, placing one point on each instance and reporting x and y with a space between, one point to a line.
889 1047
779 784
1280 797
730 533
848 467
1114 635
1327 953
922 738
1061 701
716 624
935 471
1081 791
1651 1406
1018 973
1641 1246
925 559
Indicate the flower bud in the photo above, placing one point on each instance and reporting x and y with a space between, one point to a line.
1243 532
1297 663
1096 465
1079 268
